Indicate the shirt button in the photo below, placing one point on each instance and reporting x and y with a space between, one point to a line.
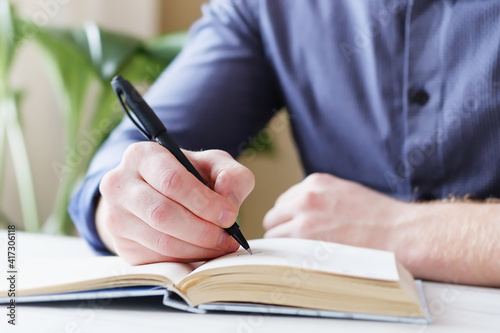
421 97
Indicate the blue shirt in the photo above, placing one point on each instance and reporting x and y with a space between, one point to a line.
402 96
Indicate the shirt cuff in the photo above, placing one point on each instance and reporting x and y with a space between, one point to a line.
83 213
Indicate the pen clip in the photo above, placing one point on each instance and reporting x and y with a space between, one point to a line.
123 89
132 116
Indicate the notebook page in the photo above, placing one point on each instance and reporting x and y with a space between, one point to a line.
41 273
308 254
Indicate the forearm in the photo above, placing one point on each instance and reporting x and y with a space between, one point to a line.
453 242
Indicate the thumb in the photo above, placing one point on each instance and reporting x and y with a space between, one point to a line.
227 177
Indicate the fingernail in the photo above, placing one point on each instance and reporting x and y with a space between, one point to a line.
225 216
223 241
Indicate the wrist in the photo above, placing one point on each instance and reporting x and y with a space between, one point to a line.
446 241
405 236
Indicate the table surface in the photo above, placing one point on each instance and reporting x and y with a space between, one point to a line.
453 308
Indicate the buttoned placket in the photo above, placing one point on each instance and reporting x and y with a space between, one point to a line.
422 83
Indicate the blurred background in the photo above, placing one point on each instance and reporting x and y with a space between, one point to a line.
41 110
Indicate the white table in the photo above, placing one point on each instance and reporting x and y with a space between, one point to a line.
454 308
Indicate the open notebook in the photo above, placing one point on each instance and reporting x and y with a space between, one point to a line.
283 276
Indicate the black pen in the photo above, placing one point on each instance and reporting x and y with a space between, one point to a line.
148 123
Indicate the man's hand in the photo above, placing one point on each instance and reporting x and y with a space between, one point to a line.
456 242
328 208
152 209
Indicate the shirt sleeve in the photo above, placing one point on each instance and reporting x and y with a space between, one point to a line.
217 94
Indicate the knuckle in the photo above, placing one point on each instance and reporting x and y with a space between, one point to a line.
158 214
110 183
199 200
132 152
163 244
106 181
206 236
170 181
139 154
221 153
311 200
246 176
318 178
235 178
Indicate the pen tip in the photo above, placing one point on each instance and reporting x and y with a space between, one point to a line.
250 250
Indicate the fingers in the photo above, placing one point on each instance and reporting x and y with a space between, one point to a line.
169 217
165 174
230 179
137 254
157 246
152 204
139 243
286 207
285 229
276 216
317 192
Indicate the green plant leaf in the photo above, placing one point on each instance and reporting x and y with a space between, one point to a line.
78 57
3 129
8 41
10 127
101 53
108 51
20 159
75 59
71 73
108 113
